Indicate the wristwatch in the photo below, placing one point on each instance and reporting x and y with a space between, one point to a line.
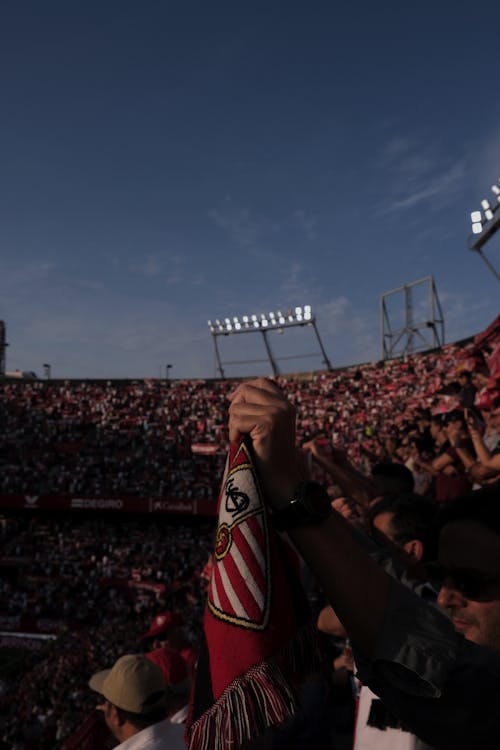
310 504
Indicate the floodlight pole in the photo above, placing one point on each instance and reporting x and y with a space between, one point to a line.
410 347
3 347
274 365
265 324
326 361
487 261
217 356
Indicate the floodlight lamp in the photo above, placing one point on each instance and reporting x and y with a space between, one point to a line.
245 318
477 228
227 321
290 318
299 317
235 319
271 315
229 327
298 311
485 204
237 326
475 217
281 320
209 322
217 322
307 308
496 189
254 318
488 214
307 314
256 323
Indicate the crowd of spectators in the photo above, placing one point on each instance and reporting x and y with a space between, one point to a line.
98 581
168 439
105 579
111 438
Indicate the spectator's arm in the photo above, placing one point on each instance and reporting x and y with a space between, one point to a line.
350 480
487 460
458 444
260 410
329 623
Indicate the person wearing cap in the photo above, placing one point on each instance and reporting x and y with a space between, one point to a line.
135 704
166 636
175 674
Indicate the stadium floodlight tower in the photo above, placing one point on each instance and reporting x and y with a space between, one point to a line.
484 226
414 335
3 347
265 324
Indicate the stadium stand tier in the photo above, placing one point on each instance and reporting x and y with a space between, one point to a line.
108 491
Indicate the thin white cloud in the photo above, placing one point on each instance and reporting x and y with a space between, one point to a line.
149 266
464 314
23 274
306 222
415 173
167 268
441 186
239 224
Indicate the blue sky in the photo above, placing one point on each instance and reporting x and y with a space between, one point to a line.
164 163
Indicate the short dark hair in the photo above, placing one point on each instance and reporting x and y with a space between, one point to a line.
481 505
393 477
141 721
414 517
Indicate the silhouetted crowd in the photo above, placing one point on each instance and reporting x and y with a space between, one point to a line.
102 581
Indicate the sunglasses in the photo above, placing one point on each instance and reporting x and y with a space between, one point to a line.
472 584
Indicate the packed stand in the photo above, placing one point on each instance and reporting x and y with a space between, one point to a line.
168 439
429 425
100 584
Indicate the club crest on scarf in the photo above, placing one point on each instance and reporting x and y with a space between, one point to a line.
239 591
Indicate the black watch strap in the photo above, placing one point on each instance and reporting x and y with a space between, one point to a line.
310 504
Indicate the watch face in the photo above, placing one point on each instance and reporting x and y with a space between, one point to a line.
310 504
315 500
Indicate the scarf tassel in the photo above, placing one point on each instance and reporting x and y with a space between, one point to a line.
260 698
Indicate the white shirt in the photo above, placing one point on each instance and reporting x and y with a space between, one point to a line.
368 736
161 736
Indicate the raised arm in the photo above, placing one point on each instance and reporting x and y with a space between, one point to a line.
352 581
354 484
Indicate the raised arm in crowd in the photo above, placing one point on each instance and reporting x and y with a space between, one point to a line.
440 674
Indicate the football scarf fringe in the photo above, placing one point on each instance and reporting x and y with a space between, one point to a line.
255 701
257 633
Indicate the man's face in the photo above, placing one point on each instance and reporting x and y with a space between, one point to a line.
109 714
470 554
382 523
435 429
494 420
